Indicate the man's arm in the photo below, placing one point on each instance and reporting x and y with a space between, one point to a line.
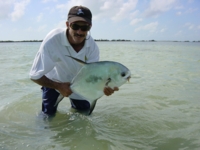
63 88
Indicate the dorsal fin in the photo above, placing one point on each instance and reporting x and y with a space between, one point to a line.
78 60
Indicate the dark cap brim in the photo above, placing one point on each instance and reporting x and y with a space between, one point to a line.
77 18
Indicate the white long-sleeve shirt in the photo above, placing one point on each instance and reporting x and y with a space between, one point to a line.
52 58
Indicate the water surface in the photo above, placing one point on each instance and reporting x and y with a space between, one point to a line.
158 110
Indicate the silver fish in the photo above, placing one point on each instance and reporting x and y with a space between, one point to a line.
92 78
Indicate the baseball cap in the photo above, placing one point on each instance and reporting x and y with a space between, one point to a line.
80 13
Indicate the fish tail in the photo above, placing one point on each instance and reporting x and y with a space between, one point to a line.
92 106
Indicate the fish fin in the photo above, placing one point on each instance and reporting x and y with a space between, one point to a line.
109 79
92 106
78 60
86 58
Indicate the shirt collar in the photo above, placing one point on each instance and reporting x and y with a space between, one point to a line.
64 39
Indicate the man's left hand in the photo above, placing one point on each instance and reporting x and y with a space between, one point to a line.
109 91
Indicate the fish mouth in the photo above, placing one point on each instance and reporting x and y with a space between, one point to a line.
128 78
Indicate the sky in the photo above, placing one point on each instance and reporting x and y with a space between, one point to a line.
160 20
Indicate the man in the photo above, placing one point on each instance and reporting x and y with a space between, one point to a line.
54 70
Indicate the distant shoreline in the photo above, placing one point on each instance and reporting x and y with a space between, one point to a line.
101 40
9 41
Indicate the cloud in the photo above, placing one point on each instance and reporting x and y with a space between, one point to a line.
190 1
134 14
61 7
157 7
107 5
39 17
151 27
42 28
19 8
124 10
179 13
46 1
65 7
179 33
135 21
12 9
179 7
29 29
101 9
60 24
5 6
190 26
162 30
191 10
116 10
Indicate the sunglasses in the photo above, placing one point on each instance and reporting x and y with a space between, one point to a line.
83 27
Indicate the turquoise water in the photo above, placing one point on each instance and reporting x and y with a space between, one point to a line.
158 109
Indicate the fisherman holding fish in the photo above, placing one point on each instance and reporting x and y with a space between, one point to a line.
54 70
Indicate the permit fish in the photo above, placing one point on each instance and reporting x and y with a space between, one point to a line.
92 78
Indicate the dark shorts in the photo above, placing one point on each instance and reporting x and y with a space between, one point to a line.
51 98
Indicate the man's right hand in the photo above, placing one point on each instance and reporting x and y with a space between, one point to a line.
63 88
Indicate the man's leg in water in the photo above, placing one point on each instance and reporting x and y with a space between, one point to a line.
51 98
50 101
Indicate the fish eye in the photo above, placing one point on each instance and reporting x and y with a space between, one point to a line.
123 74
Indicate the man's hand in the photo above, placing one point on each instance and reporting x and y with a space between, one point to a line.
109 91
64 89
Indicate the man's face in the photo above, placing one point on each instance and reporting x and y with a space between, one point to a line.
77 31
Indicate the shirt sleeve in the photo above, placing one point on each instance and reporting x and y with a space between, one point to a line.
42 64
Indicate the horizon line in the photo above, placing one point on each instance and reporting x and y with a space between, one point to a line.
106 40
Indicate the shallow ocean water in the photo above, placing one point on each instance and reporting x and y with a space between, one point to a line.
158 109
